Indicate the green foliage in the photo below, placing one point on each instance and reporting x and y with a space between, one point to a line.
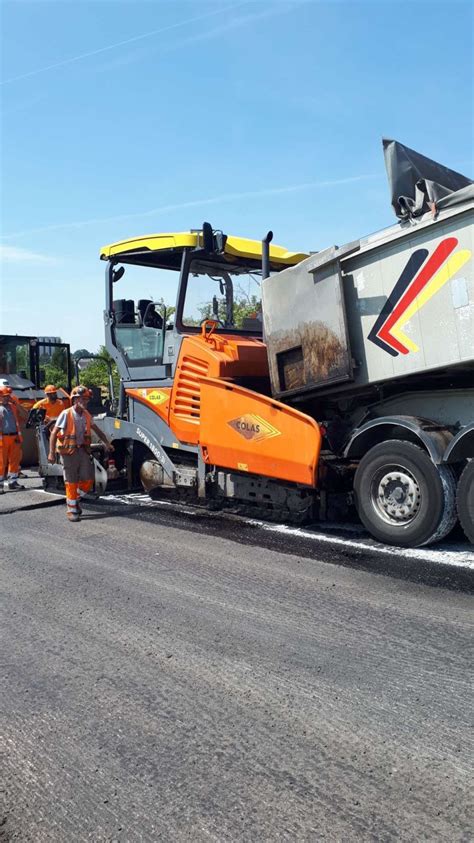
22 361
170 310
59 359
96 372
54 369
245 307
54 375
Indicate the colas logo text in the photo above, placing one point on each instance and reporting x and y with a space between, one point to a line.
251 426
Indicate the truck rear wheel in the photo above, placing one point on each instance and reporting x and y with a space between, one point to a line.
465 500
403 498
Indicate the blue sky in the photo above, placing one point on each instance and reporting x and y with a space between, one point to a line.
120 119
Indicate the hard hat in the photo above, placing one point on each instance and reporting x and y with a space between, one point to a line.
50 389
4 382
5 390
88 391
79 392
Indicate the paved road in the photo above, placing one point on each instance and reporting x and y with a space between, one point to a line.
169 677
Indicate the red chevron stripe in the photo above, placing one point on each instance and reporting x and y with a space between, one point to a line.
441 253
392 341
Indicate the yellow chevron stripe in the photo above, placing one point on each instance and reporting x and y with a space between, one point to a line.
452 265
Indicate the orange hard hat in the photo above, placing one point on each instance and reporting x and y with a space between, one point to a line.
80 392
50 389
5 390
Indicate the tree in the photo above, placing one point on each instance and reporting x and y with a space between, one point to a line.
97 372
54 375
58 359
81 352
170 310
246 306
22 360
54 368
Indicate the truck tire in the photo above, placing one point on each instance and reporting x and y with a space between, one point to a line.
402 497
465 500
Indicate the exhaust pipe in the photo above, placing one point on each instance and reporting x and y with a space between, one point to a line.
266 254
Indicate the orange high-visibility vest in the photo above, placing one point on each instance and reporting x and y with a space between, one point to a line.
14 410
66 441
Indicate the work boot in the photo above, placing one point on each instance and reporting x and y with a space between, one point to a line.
73 516
14 486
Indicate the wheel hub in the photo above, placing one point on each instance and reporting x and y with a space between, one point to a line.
397 496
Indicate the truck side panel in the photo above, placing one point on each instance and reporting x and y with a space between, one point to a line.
426 321
408 303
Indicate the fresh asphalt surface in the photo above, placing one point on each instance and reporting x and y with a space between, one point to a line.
168 674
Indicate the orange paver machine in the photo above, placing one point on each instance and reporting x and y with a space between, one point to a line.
196 414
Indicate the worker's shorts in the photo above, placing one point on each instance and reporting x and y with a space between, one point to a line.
77 466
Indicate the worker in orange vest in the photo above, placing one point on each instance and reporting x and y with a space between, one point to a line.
10 442
52 404
71 439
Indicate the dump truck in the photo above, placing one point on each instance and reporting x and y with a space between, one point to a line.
280 381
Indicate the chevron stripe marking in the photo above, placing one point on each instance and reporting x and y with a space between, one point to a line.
437 282
433 264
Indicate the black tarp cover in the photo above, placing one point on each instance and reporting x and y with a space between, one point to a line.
418 184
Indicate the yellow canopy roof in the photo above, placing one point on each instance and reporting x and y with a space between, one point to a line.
165 250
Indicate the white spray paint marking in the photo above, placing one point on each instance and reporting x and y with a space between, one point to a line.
135 498
453 555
